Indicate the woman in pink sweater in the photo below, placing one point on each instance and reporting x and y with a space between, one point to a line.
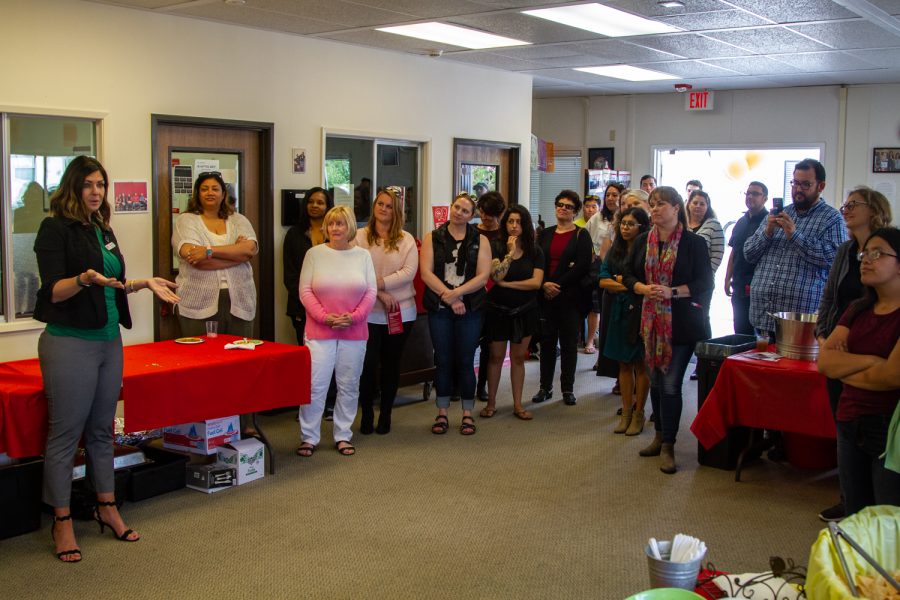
337 289
396 261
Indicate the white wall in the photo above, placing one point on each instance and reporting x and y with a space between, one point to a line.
849 122
81 58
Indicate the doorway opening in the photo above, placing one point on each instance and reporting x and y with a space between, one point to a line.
725 173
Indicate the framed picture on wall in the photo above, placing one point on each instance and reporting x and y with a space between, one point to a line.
130 197
886 160
601 158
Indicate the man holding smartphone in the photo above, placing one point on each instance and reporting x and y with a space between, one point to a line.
739 273
794 249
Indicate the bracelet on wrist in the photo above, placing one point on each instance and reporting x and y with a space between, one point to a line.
82 283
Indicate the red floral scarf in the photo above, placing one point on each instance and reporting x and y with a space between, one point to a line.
656 315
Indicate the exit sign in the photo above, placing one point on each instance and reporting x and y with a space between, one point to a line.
698 101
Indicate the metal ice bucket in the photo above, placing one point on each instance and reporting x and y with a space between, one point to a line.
795 335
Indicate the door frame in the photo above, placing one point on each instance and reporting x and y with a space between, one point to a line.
266 194
515 151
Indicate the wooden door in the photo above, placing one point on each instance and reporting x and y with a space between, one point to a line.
251 144
504 156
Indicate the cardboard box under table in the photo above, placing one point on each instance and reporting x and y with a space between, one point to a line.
247 456
202 437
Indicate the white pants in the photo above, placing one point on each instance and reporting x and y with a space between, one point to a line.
345 359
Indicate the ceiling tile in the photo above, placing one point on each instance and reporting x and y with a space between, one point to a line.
614 51
340 12
753 65
490 59
146 4
651 8
844 35
523 27
720 19
523 4
241 15
426 9
888 59
690 45
689 69
539 52
387 41
765 39
823 62
889 6
795 11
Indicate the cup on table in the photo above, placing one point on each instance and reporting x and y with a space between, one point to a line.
762 340
212 329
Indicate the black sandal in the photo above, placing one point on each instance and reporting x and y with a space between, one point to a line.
306 450
103 524
441 425
348 450
467 427
65 553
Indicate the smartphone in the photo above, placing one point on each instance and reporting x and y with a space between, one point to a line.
777 205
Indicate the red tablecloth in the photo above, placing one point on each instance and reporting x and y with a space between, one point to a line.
165 383
787 395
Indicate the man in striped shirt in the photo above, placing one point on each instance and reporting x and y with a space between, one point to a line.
793 250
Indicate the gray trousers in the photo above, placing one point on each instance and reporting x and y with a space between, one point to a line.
83 381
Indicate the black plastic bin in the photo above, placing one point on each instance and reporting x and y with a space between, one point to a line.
20 497
164 474
710 355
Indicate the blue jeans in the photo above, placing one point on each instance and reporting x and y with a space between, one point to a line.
454 338
864 480
665 392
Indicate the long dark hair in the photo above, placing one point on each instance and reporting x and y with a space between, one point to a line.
608 214
194 205
892 236
619 247
303 218
527 237
710 213
66 200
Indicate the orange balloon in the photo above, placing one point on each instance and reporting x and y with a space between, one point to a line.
736 170
753 158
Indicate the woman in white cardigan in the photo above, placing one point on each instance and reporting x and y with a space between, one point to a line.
214 245
396 261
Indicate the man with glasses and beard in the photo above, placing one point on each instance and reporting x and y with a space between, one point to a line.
739 272
793 250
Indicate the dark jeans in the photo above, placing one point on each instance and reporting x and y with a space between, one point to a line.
665 392
864 480
454 338
560 321
382 363
740 306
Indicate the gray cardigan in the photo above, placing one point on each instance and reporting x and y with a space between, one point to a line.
829 312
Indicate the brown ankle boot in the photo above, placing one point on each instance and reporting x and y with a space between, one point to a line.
637 423
624 421
667 454
654 448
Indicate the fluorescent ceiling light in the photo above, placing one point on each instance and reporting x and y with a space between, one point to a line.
602 19
451 34
627 72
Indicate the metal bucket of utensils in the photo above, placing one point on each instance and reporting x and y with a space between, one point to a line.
795 335
667 574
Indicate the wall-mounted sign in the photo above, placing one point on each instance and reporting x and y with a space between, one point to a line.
701 100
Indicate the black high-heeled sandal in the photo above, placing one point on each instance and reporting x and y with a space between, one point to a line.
64 553
103 524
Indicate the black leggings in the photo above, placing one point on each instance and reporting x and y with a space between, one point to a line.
387 350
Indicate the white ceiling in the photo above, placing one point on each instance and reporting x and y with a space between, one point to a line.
725 44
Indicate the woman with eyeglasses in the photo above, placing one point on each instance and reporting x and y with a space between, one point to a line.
455 262
863 352
623 336
396 262
517 270
564 303
669 266
83 298
214 245
864 211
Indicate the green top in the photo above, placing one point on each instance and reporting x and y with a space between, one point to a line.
111 268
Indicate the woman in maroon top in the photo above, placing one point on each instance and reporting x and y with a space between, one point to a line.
564 303
863 352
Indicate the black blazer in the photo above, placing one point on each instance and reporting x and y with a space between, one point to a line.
296 245
66 248
692 268
573 265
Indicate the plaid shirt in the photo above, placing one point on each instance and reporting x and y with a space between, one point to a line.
791 273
